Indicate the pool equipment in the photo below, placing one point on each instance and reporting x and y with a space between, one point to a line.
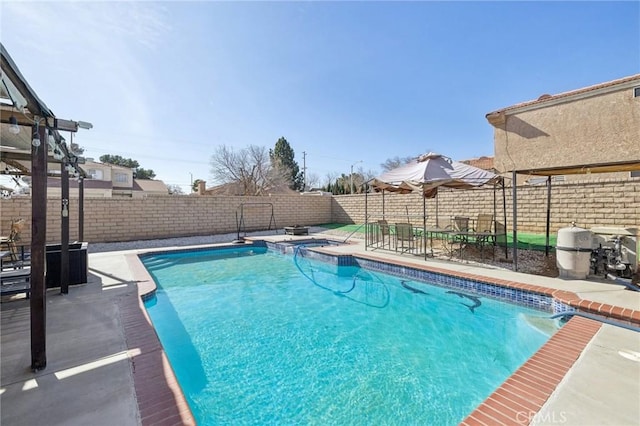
615 251
573 252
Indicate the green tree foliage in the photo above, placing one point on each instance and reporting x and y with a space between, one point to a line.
328 188
342 184
283 158
196 183
139 172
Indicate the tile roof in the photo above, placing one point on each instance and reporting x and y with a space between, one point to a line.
545 98
150 185
485 163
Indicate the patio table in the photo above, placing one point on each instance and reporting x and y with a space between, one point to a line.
481 239
434 233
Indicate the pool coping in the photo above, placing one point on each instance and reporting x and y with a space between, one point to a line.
160 398
516 401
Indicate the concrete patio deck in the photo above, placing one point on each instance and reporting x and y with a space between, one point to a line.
104 361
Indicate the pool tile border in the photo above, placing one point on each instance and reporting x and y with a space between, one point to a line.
162 402
519 399
527 298
561 300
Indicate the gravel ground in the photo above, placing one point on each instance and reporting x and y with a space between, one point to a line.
529 261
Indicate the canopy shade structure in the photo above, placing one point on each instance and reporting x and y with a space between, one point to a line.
425 173
430 171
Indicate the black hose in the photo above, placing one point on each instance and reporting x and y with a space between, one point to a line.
295 260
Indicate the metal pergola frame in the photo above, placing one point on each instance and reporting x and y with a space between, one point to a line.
433 193
610 167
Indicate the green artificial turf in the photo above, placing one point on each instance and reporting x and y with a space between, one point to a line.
526 241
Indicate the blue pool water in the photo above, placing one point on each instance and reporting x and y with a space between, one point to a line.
256 337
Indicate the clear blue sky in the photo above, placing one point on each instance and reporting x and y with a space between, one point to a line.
166 83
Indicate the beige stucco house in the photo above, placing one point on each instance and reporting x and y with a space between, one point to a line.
596 124
107 181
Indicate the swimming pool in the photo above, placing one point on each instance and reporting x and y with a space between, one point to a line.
257 337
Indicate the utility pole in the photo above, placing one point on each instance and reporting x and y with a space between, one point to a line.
351 175
191 174
304 171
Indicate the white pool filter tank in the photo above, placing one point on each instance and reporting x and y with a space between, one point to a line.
573 252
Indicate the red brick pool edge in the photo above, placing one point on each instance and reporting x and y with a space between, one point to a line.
522 395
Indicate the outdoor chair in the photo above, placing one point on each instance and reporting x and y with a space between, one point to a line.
384 233
484 223
459 235
483 228
461 224
404 237
9 242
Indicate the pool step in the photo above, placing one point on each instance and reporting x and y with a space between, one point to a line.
154 263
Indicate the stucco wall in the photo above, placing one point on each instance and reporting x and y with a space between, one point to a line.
596 129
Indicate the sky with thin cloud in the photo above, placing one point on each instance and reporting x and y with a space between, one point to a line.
347 83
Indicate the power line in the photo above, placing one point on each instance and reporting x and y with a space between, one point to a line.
137 155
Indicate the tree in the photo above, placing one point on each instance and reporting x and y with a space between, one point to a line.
392 163
342 185
250 168
313 180
139 172
175 189
328 180
196 184
282 157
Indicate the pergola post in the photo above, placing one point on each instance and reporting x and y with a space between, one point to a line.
80 209
504 216
64 231
546 244
366 216
515 221
38 250
424 225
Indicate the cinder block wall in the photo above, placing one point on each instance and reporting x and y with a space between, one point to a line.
587 203
111 219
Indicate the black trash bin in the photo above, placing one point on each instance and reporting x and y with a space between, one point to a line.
78 265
